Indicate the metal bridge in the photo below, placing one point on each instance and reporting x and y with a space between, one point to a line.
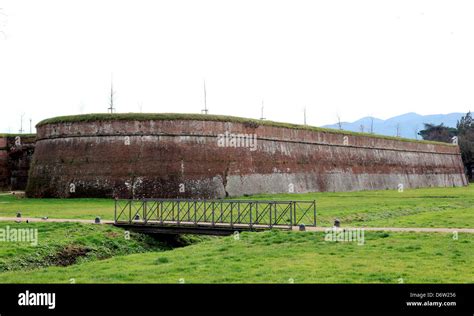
215 217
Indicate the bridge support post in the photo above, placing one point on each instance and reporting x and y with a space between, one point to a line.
144 212
270 211
231 217
314 212
250 225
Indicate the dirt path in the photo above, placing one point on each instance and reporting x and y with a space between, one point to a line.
52 220
295 228
399 229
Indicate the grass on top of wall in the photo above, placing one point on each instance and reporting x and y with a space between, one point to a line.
14 135
208 117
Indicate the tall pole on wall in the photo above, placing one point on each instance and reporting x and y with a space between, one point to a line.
304 113
111 108
21 123
261 114
205 111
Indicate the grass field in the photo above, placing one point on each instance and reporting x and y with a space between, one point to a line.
64 244
101 254
282 257
433 207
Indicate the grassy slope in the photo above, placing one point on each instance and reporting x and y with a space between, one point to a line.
61 244
277 257
433 207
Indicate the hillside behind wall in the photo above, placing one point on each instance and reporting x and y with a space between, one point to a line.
16 152
181 157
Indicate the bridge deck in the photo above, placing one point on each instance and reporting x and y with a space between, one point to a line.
193 228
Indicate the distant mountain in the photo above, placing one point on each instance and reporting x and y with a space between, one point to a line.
407 123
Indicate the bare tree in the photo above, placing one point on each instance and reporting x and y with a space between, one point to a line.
21 123
112 95
205 110
339 121
361 128
398 129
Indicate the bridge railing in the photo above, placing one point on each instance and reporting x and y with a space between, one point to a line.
221 213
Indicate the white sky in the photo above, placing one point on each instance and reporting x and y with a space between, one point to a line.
358 58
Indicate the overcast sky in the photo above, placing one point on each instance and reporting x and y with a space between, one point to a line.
355 58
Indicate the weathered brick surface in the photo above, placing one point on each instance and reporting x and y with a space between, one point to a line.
4 172
162 157
15 158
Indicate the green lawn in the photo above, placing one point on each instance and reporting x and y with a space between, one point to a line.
101 254
282 257
432 207
56 208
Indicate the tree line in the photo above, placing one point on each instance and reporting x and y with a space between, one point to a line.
463 133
